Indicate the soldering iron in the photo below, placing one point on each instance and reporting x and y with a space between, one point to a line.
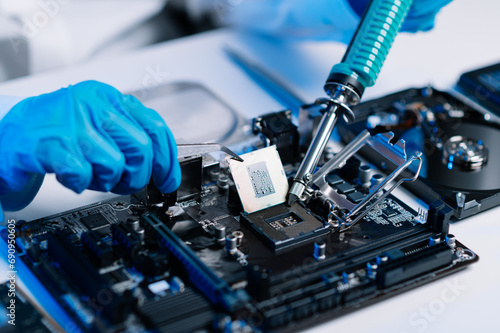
347 81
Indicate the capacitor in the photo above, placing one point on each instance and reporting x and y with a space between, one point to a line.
220 232
177 285
140 233
382 258
239 237
231 243
133 223
364 175
434 239
223 183
222 323
371 269
319 250
214 175
348 277
376 179
451 240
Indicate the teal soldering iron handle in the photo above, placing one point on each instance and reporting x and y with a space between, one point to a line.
370 46
347 81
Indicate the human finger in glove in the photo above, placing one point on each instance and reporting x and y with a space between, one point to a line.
92 137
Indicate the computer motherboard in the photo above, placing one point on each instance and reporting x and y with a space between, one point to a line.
226 254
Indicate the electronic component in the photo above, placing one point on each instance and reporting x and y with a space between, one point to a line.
319 250
192 173
138 263
260 179
20 315
220 232
281 226
100 250
125 237
483 86
191 159
204 279
159 287
231 243
391 272
279 130
390 212
183 312
94 221
349 212
459 167
82 274
364 174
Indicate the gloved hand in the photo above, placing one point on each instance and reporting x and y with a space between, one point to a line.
420 18
89 135
318 19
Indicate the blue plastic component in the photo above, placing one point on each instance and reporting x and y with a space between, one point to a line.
124 237
373 40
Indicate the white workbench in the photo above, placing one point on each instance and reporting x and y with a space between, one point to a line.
465 38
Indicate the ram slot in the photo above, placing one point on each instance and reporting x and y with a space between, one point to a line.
209 284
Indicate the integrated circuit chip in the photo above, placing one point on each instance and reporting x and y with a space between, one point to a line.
260 180
94 221
389 211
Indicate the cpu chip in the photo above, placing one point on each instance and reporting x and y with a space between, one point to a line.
260 180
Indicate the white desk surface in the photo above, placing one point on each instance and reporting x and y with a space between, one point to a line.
465 38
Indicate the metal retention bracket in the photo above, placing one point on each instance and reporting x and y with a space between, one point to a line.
381 144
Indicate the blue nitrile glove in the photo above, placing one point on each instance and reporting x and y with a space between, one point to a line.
420 18
89 135
308 19
316 19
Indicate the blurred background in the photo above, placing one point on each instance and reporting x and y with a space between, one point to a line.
37 36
